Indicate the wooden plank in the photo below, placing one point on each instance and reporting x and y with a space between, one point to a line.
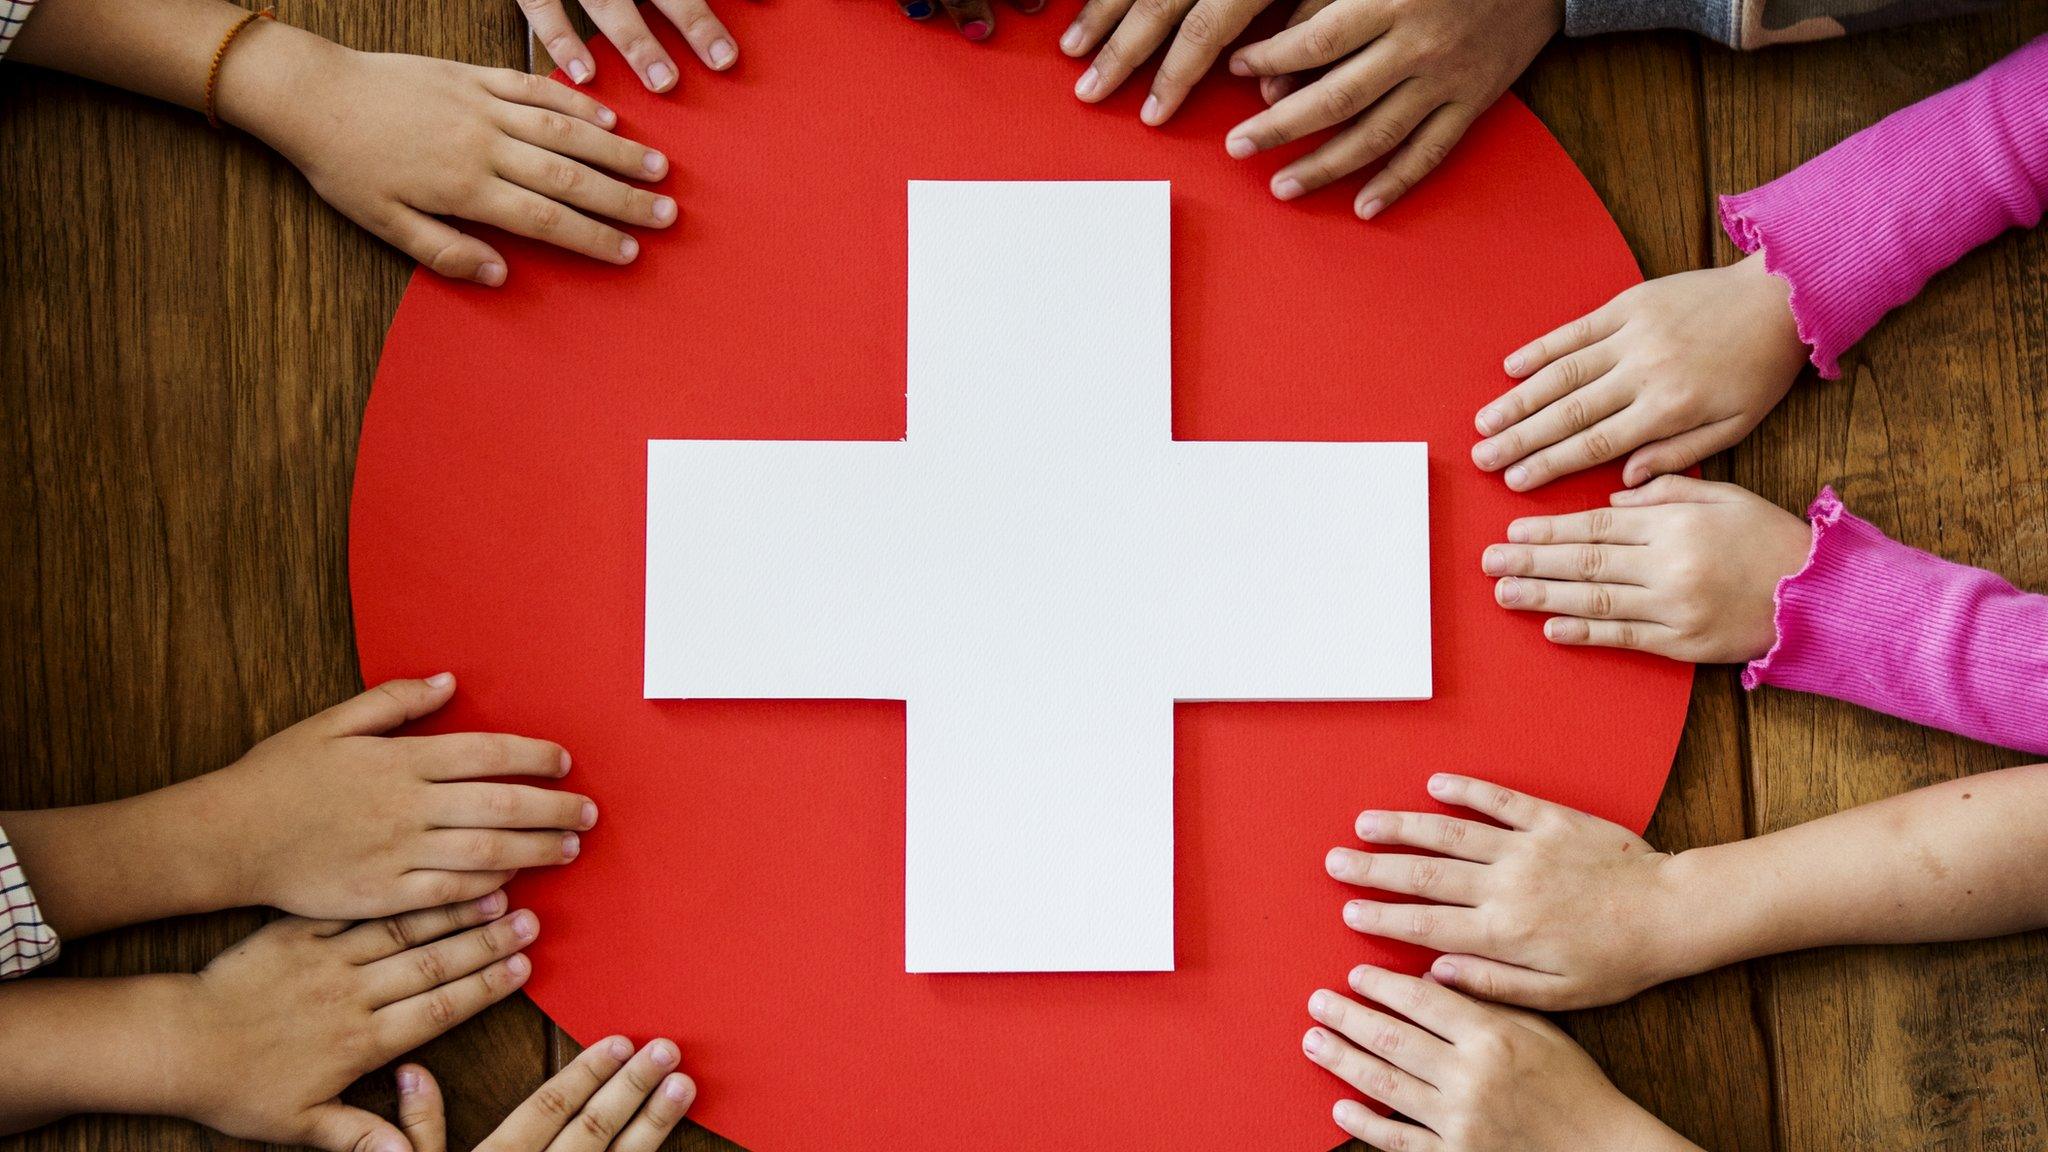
1936 433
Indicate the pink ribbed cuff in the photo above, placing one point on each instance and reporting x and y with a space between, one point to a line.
1892 628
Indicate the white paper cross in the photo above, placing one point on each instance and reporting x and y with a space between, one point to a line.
1039 570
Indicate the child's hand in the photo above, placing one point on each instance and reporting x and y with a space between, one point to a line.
1466 1076
973 18
328 818
620 22
394 142
279 1024
595 1103
1669 373
1201 30
1684 568
1558 910
1405 77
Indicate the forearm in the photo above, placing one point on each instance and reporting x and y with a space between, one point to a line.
1955 861
103 1045
101 866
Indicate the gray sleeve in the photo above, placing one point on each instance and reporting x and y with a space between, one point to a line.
1714 19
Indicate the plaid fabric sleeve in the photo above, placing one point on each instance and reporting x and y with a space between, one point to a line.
25 941
13 14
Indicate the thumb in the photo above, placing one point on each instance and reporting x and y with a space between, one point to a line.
337 1127
388 705
1672 490
1501 983
421 1111
1675 453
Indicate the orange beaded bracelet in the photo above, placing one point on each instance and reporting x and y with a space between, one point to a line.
213 70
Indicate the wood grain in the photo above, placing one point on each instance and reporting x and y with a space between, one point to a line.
180 434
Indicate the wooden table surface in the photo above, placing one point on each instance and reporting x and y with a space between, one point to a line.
188 341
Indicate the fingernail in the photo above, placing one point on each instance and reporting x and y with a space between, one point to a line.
1444 969
1439 785
607 117
1488 422
1085 86
1333 862
662 1053
1356 978
443 679
1313 1042
408 1081
1287 188
1485 454
1552 629
1370 209
1319 1005
524 924
676 1087
519 966
977 29
565 762
628 249
571 844
1240 147
492 905
723 53
1070 40
1239 67
589 814
1508 590
619 1048
490 273
660 76
1517 476
1518 532
579 71
1514 364
1368 825
1347 1112
664 210
654 163
1354 914
1491 561
918 10
1150 112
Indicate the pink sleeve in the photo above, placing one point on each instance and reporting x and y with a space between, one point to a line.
1859 229
1873 622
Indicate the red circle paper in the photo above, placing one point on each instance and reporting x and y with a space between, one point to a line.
743 890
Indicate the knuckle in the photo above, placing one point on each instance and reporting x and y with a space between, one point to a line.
551 1103
552 125
1450 833
597 1126
395 931
445 889
446 260
1573 407
432 966
1425 875
501 804
1386 1040
1588 561
1200 28
1598 446
564 177
441 1009
1379 1082
484 851
1379 137
1339 98
1423 922
1600 602
1503 799
1322 40
1600 521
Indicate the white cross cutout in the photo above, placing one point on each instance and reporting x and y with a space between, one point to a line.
1039 571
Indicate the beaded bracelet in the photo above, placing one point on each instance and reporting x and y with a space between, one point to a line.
213 70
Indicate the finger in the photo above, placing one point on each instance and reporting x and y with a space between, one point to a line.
1677 490
608 1112
1587 330
1462 839
1273 89
621 24
1620 433
1442 1011
337 1127
702 29
417 1019
1639 635
386 706
1680 452
917 9
1443 927
1337 96
663 1112
550 26
1427 147
422 1114
1096 19
1368 1073
581 140
431 965
1399 1043
511 806
441 247
1380 130
580 186
1028 7
1383 1132
1504 983
1140 33
1517 810
1323 36
495 850
374 940
471 755
542 1116
972 17
433 887
515 87
1204 32
1573 598
1446 881
529 214
1568 395
1591 563
1596 526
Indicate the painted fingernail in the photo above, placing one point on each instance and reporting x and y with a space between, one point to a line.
1287 188
1444 969
525 925
579 71
1517 476
1319 1005
1085 86
1370 209
664 210
918 10
1313 1041
589 814
1513 364
618 1047
1368 825
676 1087
408 1081
1150 113
1071 39
519 966
977 29
490 273
1484 454
571 845
1488 421
1240 147
660 76
723 54
663 1054
492 905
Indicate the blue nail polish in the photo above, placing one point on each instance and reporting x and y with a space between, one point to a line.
918 9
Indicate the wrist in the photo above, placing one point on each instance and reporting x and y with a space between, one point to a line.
1769 298
1700 919
268 82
